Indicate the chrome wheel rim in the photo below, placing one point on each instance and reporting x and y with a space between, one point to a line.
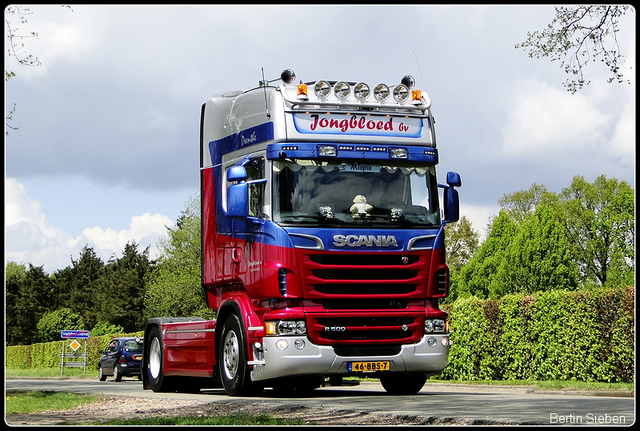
231 352
155 358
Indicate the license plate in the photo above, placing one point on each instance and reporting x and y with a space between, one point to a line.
368 367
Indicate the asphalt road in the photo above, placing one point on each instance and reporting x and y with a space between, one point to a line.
438 402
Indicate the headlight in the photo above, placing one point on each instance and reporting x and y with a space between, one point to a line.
361 91
286 327
342 90
381 92
322 89
432 326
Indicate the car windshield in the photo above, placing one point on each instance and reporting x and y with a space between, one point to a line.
132 346
370 193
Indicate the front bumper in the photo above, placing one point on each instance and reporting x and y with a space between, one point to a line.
429 356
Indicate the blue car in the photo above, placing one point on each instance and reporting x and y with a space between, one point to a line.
122 357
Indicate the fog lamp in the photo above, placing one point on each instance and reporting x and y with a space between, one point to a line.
299 343
398 153
327 151
282 344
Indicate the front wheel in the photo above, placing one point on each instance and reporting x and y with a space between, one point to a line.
117 376
403 384
158 381
101 374
234 371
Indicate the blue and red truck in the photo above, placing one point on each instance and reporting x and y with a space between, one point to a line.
323 251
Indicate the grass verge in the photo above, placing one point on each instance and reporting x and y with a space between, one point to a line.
37 401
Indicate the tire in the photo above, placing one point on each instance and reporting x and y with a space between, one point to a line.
101 374
155 363
403 384
234 371
296 386
117 377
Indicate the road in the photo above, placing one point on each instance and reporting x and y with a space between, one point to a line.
436 403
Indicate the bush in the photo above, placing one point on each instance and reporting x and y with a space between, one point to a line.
106 328
53 323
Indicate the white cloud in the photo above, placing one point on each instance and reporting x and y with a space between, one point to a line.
29 238
142 229
479 216
545 121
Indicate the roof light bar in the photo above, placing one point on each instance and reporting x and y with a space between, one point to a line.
359 94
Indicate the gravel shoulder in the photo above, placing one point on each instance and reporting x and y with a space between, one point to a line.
112 407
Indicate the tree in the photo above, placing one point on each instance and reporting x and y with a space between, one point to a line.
599 223
522 203
26 301
54 322
120 296
538 258
82 282
14 277
462 243
174 287
478 276
579 35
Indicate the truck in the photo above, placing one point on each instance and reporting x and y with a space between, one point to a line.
323 243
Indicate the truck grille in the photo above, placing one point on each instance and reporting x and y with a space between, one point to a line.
365 299
364 274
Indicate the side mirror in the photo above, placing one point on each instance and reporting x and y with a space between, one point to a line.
451 198
236 173
453 179
238 200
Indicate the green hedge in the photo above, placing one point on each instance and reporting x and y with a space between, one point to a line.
47 355
556 335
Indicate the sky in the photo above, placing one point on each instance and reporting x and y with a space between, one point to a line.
107 146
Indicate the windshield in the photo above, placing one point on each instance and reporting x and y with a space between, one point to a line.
364 194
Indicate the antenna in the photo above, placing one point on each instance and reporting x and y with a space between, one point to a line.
263 84
419 71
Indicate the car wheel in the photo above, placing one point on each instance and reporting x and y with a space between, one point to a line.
155 362
101 374
116 374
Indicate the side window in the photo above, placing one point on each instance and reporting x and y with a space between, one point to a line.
255 171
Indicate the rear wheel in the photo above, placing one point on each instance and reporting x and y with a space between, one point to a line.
155 362
234 371
403 384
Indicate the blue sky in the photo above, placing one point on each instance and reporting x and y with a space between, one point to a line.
107 146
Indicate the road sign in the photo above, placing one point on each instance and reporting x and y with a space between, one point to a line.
74 334
75 345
